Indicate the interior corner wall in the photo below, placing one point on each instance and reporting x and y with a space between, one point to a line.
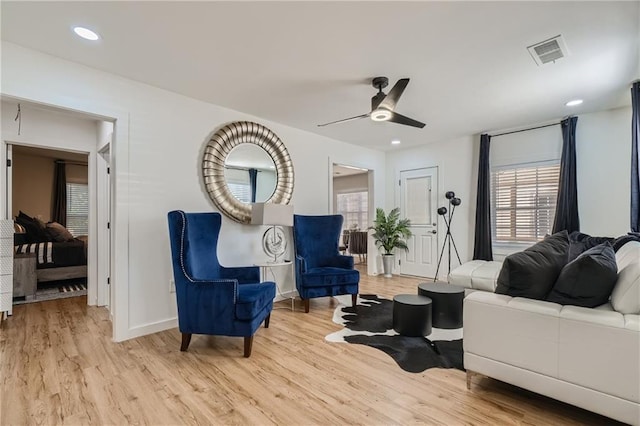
32 186
157 168
457 167
603 153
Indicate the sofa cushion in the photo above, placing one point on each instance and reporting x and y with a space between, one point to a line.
253 298
588 280
533 272
330 276
625 297
477 275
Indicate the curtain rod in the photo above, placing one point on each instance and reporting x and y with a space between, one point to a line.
524 130
241 168
73 163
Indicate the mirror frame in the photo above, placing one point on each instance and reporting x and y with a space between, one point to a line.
215 155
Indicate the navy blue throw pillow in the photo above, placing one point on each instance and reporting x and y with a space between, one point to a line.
589 280
533 272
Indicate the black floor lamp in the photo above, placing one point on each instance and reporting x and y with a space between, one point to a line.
448 239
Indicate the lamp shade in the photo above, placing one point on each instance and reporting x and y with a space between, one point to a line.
271 214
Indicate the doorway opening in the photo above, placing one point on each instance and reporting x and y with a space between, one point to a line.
352 199
54 145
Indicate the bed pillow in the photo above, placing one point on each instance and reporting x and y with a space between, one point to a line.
58 232
533 272
34 233
588 280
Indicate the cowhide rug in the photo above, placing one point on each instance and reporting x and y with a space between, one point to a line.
371 325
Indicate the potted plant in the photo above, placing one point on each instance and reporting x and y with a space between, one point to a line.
390 232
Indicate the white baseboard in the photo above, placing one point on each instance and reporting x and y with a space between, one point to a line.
154 327
286 295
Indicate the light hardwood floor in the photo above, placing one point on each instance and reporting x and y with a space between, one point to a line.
59 366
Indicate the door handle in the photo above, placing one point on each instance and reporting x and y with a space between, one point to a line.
434 232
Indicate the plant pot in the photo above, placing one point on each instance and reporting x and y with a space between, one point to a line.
387 264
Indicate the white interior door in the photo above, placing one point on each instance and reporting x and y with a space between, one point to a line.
9 180
104 231
418 199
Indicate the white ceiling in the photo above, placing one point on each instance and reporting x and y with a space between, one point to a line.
305 63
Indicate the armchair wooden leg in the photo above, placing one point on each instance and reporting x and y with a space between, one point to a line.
266 321
248 343
354 300
306 305
186 339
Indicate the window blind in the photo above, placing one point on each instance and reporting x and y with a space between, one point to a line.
524 202
354 207
78 208
242 191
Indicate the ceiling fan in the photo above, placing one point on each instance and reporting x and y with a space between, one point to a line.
383 106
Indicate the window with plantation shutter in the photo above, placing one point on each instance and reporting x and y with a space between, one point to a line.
523 201
240 190
354 207
78 208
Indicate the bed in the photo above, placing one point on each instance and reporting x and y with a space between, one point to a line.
58 256
58 260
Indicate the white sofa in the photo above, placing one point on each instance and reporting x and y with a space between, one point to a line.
586 357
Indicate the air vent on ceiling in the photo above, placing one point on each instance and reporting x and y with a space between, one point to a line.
549 50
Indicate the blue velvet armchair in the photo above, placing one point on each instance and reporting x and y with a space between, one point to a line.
213 299
320 269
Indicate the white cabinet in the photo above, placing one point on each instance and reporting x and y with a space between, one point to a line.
6 267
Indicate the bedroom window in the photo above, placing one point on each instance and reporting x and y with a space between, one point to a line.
523 201
78 208
354 207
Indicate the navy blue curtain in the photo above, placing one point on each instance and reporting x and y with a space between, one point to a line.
635 147
60 194
482 244
567 204
253 182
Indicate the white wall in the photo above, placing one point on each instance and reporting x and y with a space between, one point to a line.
159 138
603 153
457 170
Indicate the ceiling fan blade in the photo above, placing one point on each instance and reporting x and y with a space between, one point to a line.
345 120
394 94
401 119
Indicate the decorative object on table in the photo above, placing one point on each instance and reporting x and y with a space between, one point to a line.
320 270
214 159
213 299
390 232
371 324
274 240
448 239
446 303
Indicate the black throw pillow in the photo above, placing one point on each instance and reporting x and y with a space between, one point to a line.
533 272
35 231
579 243
589 280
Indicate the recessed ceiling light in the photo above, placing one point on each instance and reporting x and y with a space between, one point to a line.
574 102
86 33
395 142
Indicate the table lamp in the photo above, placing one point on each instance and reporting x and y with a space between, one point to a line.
274 240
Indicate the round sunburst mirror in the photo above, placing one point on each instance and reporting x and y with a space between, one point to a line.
245 162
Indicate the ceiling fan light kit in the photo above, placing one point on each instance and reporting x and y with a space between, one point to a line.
383 105
381 115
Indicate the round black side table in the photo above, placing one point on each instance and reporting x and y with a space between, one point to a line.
412 315
447 303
